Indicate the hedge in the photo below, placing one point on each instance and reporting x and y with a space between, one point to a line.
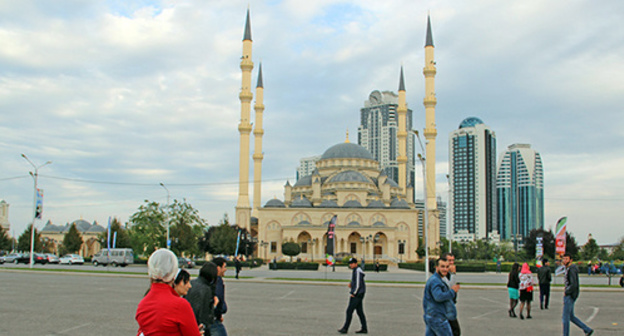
308 266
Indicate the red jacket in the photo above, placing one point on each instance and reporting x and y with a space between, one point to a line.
163 312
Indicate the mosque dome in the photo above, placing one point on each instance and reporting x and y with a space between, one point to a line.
470 122
274 203
350 176
304 181
301 202
328 204
347 150
352 204
375 204
399 204
81 224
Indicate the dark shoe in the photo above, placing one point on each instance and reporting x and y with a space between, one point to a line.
362 331
590 332
521 317
541 306
546 307
510 314
529 317
342 331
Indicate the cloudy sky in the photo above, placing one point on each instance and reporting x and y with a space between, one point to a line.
123 95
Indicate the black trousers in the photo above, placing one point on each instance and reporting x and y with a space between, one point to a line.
544 293
356 303
455 327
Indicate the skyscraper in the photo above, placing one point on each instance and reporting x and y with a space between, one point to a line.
307 166
378 133
472 167
520 191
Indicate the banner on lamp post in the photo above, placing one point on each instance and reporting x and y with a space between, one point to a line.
560 236
39 204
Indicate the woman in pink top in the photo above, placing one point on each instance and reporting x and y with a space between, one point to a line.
162 311
526 290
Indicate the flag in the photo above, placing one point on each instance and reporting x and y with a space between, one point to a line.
39 204
109 232
114 239
560 236
331 241
237 243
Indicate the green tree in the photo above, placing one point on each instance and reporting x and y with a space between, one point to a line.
618 251
6 243
421 247
147 230
186 228
23 242
590 250
291 249
123 237
72 242
548 243
571 245
222 238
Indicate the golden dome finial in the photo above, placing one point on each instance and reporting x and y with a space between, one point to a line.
347 140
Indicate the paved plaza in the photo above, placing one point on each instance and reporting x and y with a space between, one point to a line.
44 303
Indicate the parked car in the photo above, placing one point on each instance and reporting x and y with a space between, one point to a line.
1 260
71 259
38 258
12 258
185 263
118 257
52 258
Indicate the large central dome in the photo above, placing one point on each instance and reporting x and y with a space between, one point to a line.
347 150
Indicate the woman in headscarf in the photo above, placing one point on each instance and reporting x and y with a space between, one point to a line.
162 311
513 283
526 290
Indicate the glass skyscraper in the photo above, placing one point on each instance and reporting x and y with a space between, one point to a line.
472 167
520 192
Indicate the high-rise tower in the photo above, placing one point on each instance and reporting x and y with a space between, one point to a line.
243 209
520 192
258 156
472 172
430 133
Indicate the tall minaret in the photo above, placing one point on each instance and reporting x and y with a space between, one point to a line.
243 209
402 137
430 135
258 156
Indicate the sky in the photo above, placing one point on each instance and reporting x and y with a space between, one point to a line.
124 95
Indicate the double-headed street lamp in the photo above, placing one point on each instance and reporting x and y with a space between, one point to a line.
167 214
421 157
32 228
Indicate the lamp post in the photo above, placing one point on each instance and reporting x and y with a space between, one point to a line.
167 214
364 240
34 175
422 159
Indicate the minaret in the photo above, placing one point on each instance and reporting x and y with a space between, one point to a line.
258 156
243 209
402 137
430 135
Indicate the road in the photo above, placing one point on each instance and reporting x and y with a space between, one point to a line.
44 303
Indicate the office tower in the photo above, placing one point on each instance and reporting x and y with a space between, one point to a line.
307 166
472 167
520 192
419 205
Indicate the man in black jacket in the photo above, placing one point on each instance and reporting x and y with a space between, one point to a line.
356 301
217 328
202 297
571 293
544 276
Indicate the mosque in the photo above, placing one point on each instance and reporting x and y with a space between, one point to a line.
376 216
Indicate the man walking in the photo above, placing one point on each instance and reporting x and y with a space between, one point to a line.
237 265
544 277
437 296
571 293
450 280
217 328
356 301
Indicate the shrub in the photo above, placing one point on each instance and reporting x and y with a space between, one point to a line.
308 266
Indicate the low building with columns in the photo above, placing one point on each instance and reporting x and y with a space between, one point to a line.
374 218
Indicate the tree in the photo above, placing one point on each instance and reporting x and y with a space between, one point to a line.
590 250
72 242
571 245
122 240
421 248
548 243
147 230
221 239
618 251
23 242
186 228
291 249
6 243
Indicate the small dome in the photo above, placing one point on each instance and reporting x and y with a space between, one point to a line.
392 183
350 176
470 122
301 202
347 150
274 203
379 224
376 204
304 181
399 204
352 204
328 204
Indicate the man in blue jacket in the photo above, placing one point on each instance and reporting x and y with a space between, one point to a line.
356 301
435 300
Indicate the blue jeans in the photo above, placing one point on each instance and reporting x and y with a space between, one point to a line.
568 316
217 329
437 326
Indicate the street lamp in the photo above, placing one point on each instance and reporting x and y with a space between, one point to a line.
167 214
421 157
34 175
364 240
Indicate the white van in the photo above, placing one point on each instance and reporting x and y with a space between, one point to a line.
117 257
